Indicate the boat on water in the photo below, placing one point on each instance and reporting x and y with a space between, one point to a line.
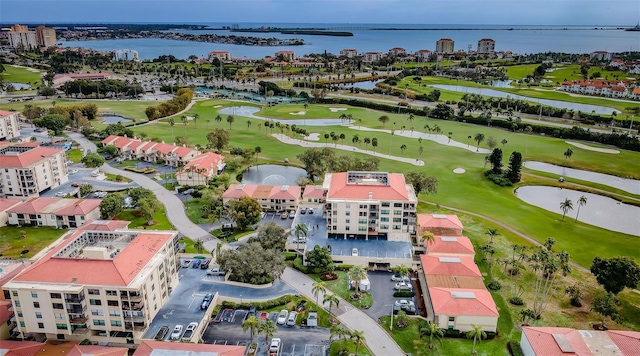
636 28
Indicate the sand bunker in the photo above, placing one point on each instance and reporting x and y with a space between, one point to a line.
217 106
459 170
590 148
313 137
298 113
337 109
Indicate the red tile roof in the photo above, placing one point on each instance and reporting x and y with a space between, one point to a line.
7 113
183 151
395 190
240 190
164 148
459 301
628 341
105 225
95 350
27 158
209 161
439 221
5 313
57 206
118 271
636 91
183 349
79 207
257 191
6 203
450 266
459 245
544 343
313 191
289 192
20 348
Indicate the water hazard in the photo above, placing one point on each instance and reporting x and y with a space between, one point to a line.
272 174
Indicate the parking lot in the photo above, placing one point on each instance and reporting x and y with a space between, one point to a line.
296 340
382 293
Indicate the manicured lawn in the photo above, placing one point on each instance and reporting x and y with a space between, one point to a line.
340 287
74 155
189 248
117 178
337 346
36 239
15 74
160 219
193 208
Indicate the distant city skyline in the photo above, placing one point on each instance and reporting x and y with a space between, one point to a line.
462 12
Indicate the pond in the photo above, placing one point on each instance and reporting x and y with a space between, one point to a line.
113 119
500 83
365 85
553 103
628 185
272 174
249 111
20 86
599 211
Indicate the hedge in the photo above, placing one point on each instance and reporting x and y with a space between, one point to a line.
515 349
136 170
259 305
403 294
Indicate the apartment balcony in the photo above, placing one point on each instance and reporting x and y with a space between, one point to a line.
80 331
131 297
373 208
77 320
132 306
136 318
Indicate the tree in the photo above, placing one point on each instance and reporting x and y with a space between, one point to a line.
358 339
606 306
478 138
357 274
402 270
442 112
219 138
111 206
383 119
515 167
244 212
616 273
139 193
496 161
476 333
566 206
546 266
147 206
374 143
317 288
92 160
491 143
492 233
575 293
31 112
332 299
320 258
581 201
251 263
85 189
504 142
338 332
432 330
268 328
421 182
198 245
568 153
301 230
355 139
110 150
428 237
53 122
403 147
257 151
251 323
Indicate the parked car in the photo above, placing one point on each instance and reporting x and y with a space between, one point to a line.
60 194
274 347
162 333
312 319
75 184
404 303
95 174
310 210
291 320
206 301
301 305
186 263
399 278
284 215
263 215
216 271
292 214
252 311
403 286
196 263
300 239
177 332
73 171
205 263
188 332
303 211
282 317
354 252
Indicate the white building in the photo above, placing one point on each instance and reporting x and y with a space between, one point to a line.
96 282
26 169
372 56
444 46
9 125
349 52
56 212
486 46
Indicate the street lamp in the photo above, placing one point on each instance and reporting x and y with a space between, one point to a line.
391 324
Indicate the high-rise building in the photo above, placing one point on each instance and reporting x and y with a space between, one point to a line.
45 37
486 46
21 37
9 125
444 46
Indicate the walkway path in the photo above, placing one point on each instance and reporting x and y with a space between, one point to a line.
293 141
376 338
173 206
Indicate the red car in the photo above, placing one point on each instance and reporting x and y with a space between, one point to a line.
75 184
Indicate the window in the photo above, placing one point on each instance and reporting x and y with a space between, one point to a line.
114 313
362 213
22 324
94 291
55 295
347 221
17 304
20 314
34 294
363 206
59 316
97 312
385 204
116 323
384 219
14 293
397 220
98 322
362 228
362 221
112 293
348 206
397 212
452 318
334 220
347 228
397 205
61 326
112 303
38 315
384 227
396 227
95 302
36 304
153 287
347 213
41 325
384 211
57 306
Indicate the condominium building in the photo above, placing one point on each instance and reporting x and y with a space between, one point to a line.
56 212
45 37
274 198
200 169
444 46
9 125
349 52
287 55
372 56
105 286
21 37
398 51
26 169
486 46
156 152
365 205
423 55
221 55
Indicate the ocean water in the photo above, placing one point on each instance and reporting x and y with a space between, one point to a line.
518 39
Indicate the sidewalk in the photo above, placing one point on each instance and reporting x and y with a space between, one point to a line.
174 208
376 338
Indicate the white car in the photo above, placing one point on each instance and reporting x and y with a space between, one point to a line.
60 194
399 278
177 331
73 171
291 320
310 211
275 345
95 174
403 286
282 317
188 332
354 252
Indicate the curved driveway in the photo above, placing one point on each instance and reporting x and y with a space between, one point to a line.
173 205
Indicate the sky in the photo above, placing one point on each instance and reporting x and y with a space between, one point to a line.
468 12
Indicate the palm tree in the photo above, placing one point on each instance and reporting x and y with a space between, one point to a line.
358 339
218 118
355 139
248 124
374 143
432 330
172 122
196 117
478 138
331 299
476 333
342 137
300 230
566 206
468 138
568 153
252 324
335 139
403 147
357 274
305 106
337 331
268 328
198 245
230 120
257 151
503 142
427 128
582 201
317 288
367 141
492 233
449 135
383 119
428 237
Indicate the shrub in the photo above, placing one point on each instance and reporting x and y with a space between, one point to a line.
343 267
498 179
516 301
289 256
196 194
514 348
297 264
403 294
494 285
